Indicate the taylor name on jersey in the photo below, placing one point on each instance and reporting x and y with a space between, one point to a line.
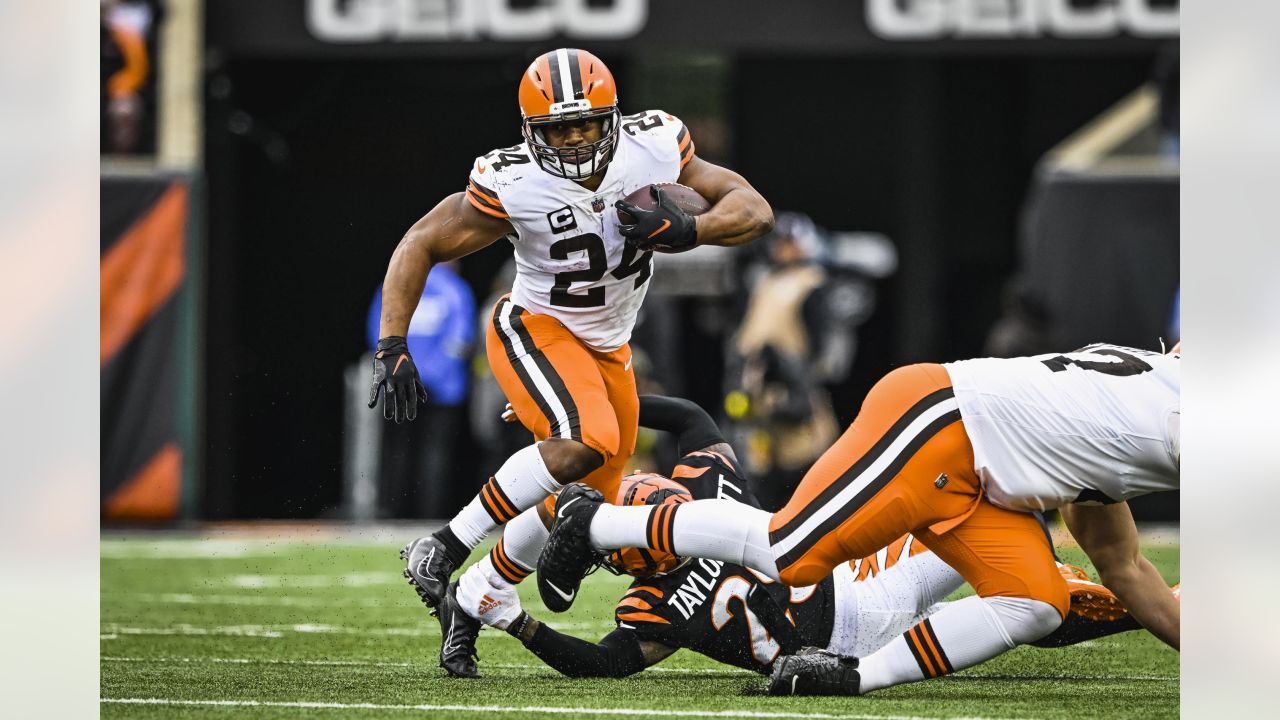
722 610
571 261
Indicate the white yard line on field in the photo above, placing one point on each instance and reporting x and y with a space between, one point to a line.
112 631
658 669
374 663
514 709
269 600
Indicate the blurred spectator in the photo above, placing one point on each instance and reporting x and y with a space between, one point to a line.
127 91
417 457
784 417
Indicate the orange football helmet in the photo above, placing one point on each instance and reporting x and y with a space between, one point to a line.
646 489
567 85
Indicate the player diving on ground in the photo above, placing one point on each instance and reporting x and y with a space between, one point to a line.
731 613
959 455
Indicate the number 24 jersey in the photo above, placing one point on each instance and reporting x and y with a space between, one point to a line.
571 260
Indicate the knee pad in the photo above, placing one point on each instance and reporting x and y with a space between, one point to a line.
805 572
1024 619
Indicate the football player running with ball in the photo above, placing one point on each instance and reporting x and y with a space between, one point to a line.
733 614
558 343
959 455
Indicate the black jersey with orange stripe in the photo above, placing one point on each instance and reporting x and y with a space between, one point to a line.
726 611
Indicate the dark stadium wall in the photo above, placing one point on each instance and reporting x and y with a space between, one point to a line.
317 167
938 154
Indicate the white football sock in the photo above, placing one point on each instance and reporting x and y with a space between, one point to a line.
521 482
515 556
873 612
716 529
960 635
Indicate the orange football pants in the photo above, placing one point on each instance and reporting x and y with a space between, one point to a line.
559 387
906 465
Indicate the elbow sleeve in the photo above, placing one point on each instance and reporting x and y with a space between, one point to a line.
693 427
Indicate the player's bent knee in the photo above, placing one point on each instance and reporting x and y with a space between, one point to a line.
805 572
1025 619
570 460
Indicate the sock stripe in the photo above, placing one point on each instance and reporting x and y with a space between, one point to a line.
506 567
671 529
486 501
503 500
660 529
651 527
487 504
918 651
492 497
940 657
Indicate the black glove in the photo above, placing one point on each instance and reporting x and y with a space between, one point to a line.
665 228
395 374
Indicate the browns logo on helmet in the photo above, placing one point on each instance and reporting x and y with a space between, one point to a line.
569 85
647 489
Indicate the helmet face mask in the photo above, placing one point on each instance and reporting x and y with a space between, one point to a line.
568 86
573 162
653 490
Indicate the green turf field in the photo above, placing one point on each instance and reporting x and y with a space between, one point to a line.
299 626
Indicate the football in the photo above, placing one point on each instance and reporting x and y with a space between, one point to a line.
684 196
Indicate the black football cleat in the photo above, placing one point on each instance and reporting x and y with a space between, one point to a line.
813 671
568 556
459 632
428 568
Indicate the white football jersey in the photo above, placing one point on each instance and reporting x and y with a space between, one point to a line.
1096 425
571 261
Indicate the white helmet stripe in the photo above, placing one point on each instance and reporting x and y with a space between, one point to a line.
566 75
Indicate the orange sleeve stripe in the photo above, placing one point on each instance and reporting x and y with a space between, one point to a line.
644 617
485 209
684 159
635 602
686 142
487 196
649 589
685 471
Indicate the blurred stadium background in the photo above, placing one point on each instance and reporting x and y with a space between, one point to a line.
967 178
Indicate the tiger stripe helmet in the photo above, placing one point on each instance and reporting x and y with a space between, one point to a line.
569 85
654 490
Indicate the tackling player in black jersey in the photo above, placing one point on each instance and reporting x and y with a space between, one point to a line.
736 616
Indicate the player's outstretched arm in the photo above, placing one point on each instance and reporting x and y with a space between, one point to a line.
738 213
618 654
693 427
1109 537
451 230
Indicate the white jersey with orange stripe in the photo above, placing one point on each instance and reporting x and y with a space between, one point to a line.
571 261
1100 424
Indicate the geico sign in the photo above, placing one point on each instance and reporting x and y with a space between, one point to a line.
930 19
369 20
